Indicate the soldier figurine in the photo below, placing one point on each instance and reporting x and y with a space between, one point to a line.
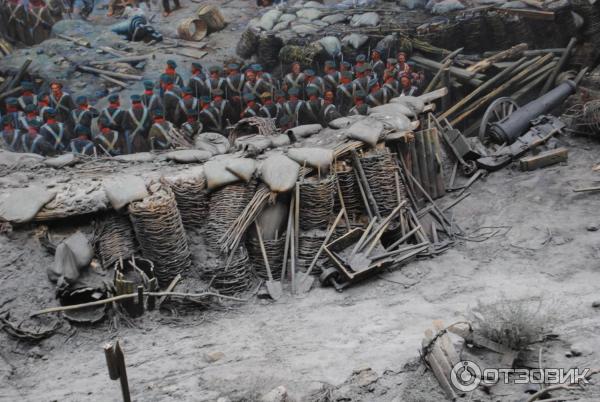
406 87
54 131
312 81
377 96
378 64
294 106
84 114
39 20
12 111
209 116
333 77
171 71
159 133
264 77
151 100
198 81
269 109
187 102
312 107
233 89
328 110
27 96
344 93
294 79
361 82
61 102
361 59
402 67
113 112
43 104
192 126
17 22
34 143
10 137
171 97
390 85
252 107
136 123
255 86
30 113
82 144
345 66
215 81
224 110
360 107
110 141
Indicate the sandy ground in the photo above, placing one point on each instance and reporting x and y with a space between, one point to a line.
323 337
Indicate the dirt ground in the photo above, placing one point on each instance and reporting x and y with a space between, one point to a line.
550 252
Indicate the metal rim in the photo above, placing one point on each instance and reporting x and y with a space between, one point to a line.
498 110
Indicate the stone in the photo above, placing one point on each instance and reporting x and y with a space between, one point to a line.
579 349
212 357
596 304
592 228
365 377
278 394
223 399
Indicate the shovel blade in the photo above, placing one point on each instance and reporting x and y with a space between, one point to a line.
274 289
305 283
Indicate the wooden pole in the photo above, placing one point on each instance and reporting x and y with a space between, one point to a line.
110 73
496 92
561 63
461 74
484 64
436 78
497 78
115 361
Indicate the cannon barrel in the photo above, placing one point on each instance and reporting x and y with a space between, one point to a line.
509 129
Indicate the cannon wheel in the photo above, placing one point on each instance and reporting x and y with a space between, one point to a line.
499 109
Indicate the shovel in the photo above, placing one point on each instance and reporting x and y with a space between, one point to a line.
305 282
273 287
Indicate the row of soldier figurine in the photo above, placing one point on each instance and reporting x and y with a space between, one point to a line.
50 123
29 22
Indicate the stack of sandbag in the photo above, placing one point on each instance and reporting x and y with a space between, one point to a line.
160 233
114 239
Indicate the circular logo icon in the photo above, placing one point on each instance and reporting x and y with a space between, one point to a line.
465 376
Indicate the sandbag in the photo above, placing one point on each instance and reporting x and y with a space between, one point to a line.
314 4
355 40
365 20
217 174
137 157
63 160
367 130
318 158
335 18
332 45
280 26
392 109
343 122
269 19
414 103
214 143
280 140
447 6
280 173
16 160
188 156
303 131
20 205
514 4
72 254
309 13
243 168
286 18
121 190
397 122
305 29
253 144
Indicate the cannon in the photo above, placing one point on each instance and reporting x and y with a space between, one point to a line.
137 29
504 121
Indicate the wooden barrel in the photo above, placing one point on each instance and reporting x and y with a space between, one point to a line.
192 29
212 16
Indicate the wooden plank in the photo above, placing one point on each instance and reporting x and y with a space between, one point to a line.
484 64
528 13
544 159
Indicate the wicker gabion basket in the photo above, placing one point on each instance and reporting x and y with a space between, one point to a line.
316 201
379 167
114 239
159 230
232 278
274 250
225 205
192 199
349 188
309 243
